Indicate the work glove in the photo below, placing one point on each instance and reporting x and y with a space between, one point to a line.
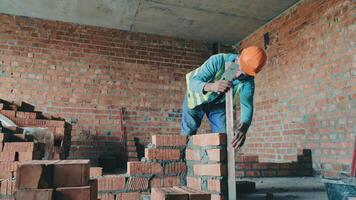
239 136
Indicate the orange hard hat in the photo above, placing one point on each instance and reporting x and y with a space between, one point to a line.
252 59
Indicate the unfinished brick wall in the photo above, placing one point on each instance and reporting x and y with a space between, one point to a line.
86 74
206 162
305 96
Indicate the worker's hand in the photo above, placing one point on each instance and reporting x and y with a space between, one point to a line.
218 86
239 136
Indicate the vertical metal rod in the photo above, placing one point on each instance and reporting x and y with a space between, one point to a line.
230 149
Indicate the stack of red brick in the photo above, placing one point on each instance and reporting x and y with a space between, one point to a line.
16 147
163 166
249 166
206 161
55 180
24 115
131 149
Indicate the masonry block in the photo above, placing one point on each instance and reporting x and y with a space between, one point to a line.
108 196
8 156
192 154
218 197
209 169
218 155
166 181
95 171
129 196
175 168
7 187
194 182
71 173
8 169
209 139
37 174
162 154
168 194
137 167
111 182
169 140
137 184
22 147
34 194
194 194
28 156
216 185
73 193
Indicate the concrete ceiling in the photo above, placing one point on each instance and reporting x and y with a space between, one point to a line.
226 21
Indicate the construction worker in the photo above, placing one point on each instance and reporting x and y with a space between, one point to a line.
204 88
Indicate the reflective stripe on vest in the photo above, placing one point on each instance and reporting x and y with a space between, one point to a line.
196 99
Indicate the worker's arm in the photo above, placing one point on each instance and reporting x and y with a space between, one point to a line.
201 81
246 102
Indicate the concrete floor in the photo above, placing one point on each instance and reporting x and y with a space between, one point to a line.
306 188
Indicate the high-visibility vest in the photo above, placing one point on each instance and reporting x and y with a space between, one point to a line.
195 99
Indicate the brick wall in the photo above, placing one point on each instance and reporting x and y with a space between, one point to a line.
86 74
305 97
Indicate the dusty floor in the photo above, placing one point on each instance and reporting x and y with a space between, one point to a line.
306 188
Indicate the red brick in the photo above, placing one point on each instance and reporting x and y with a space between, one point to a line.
169 140
111 182
215 185
132 154
216 154
22 147
129 196
131 148
37 174
26 115
243 166
71 173
34 194
217 197
194 182
168 194
260 166
137 183
7 156
95 171
267 173
209 139
162 154
166 181
27 156
194 194
8 113
7 187
8 169
108 196
73 193
191 154
253 173
175 168
240 173
209 170
137 167
241 158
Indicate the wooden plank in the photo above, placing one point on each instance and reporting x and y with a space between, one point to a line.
230 149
